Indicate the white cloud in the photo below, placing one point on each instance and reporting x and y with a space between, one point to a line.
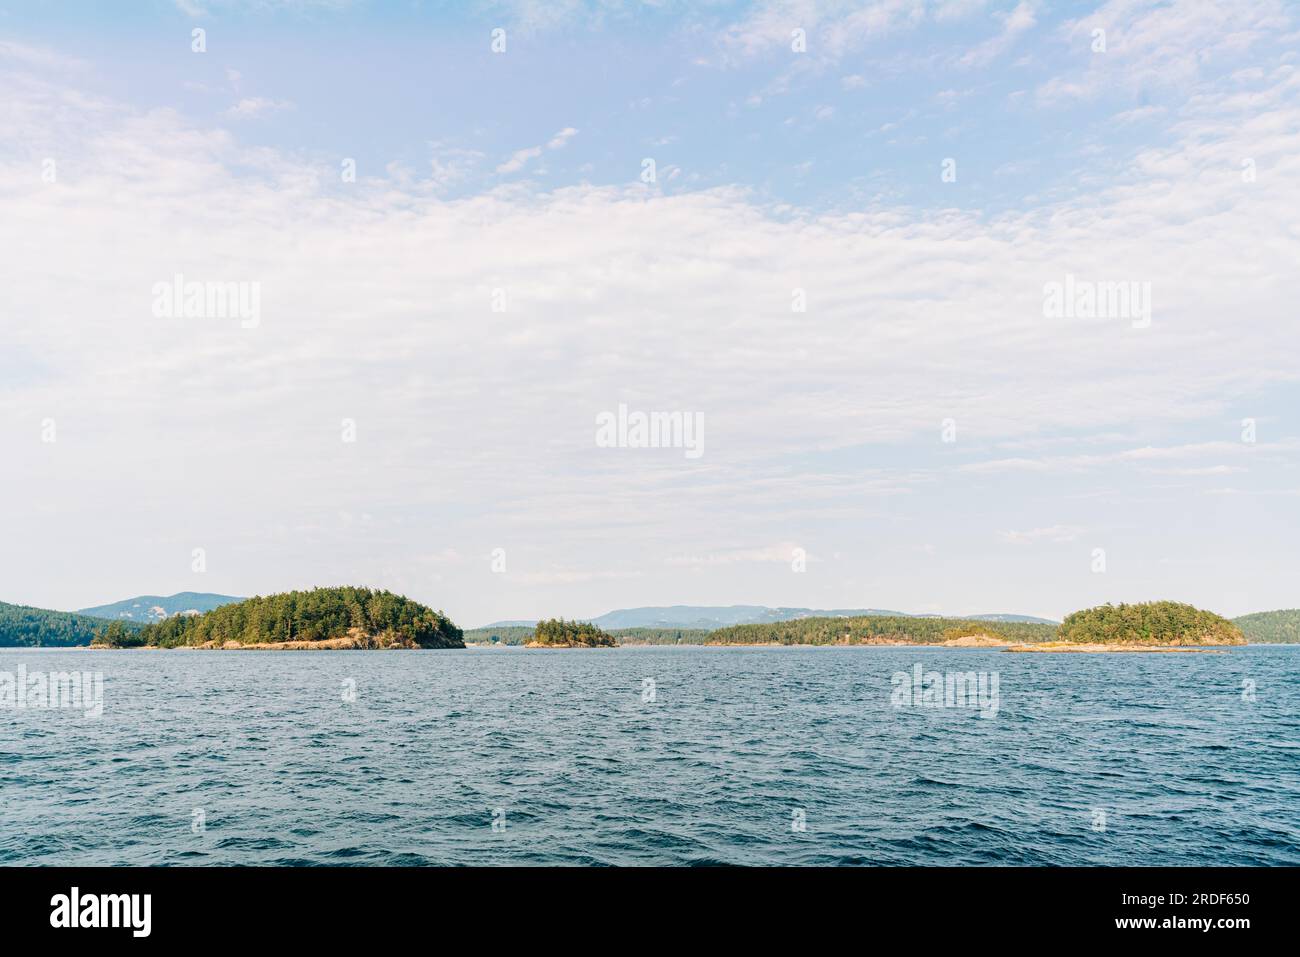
782 553
521 158
562 137
476 426
1159 44
39 57
1055 534
1142 457
833 29
250 107
1015 23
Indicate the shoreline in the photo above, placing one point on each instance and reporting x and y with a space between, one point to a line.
1057 647
349 644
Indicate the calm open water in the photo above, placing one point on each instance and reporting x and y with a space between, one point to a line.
738 749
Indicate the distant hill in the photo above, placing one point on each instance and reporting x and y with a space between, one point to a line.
150 608
1271 627
24 627
711 617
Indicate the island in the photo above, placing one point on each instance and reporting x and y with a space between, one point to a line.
361 618
558 633
1160 626
321 619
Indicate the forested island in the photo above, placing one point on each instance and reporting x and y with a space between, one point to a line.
1149 623
1159 625
322 618
558 633
1123 627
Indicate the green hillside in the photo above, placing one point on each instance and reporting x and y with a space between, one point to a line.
1271 627
25 627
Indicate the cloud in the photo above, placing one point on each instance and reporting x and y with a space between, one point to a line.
783 554
1155 45
1055 534
570 577
251 107
1144 457
834 29
562 137
39 57
475 425
521 158
1015 23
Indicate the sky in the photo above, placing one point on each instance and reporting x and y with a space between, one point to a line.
837 239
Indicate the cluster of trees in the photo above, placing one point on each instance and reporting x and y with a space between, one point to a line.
1271 627
875 628
316 615
1152 623
24 627
522 634
557 631
662 636
117 634
506 635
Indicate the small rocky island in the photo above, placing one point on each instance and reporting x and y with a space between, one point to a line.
322 619
558 633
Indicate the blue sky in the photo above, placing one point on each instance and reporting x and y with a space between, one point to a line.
707 88
1168 158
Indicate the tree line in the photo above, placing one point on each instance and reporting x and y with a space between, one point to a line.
24 627
876 628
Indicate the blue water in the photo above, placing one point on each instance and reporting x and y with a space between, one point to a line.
578 769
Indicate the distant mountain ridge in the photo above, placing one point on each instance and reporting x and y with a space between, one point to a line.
710 617
152 608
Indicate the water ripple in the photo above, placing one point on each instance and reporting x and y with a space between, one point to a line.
745 756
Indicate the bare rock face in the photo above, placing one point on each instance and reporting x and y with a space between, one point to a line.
977 641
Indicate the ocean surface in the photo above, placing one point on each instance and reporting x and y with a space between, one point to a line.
788 756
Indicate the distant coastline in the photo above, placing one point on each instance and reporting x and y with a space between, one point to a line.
351 618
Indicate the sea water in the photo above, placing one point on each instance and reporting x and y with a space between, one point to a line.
672 755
